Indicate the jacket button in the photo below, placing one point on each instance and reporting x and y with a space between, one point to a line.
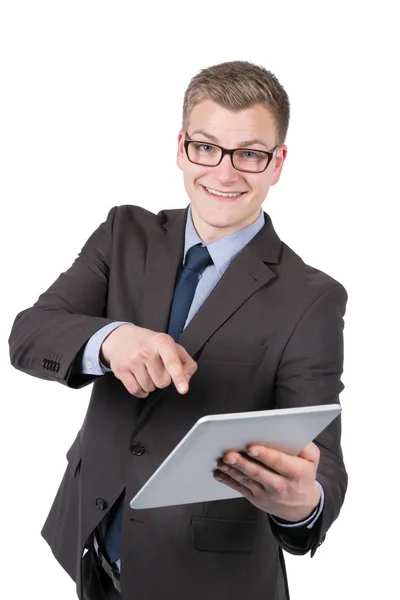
137 449
101 504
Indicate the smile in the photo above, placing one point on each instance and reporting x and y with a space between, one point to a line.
223 194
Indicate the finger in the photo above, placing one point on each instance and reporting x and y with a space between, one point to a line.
277 461
154 373
170 356
255 488
232 483
143 378
131 384
256 472
189 365
158 373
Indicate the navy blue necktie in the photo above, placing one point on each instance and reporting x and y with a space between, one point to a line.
197 259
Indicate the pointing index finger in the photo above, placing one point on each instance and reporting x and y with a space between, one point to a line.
179 368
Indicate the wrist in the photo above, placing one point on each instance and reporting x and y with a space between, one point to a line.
305 512
107 345
104 355
312 506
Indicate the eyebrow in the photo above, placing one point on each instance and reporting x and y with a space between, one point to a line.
241 145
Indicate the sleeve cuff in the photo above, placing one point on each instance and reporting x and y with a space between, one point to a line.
91 363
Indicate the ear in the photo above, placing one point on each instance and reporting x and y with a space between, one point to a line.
180 156
279 159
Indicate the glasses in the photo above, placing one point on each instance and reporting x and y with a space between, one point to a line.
243 159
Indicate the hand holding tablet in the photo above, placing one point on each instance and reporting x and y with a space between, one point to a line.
186 475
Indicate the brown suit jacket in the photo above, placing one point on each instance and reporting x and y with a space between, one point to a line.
270 335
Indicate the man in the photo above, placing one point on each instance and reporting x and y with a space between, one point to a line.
178 315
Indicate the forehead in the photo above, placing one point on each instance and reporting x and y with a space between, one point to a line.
230 127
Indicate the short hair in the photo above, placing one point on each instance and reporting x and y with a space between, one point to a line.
237 85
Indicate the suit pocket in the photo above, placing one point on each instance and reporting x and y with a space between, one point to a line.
233 352
74 457
219 535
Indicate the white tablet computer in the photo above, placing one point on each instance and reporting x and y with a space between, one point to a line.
186 475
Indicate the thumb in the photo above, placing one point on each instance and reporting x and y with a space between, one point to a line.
311 453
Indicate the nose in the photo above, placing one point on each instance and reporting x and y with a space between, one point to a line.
225 172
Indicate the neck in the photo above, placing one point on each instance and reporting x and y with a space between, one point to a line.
211 233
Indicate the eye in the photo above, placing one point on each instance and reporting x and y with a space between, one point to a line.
204 147
251 155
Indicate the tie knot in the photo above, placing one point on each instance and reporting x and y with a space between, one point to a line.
197 258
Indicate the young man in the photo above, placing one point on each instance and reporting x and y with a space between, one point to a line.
205 303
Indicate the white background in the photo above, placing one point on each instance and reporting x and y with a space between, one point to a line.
87 88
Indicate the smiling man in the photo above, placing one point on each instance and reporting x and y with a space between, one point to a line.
178 315
239 147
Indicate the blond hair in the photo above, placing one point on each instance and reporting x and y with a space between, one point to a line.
237 85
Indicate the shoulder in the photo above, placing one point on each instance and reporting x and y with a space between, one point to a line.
306 281
128 216
298 280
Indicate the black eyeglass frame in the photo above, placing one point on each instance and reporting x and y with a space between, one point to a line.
270 154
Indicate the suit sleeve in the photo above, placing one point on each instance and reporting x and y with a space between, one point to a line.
309 373
48 338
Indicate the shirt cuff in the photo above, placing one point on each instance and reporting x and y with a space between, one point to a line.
311 520
91 363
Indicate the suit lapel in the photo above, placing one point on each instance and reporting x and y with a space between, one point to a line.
164 257
247 273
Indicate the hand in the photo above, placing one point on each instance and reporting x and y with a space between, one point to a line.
279 484
145 360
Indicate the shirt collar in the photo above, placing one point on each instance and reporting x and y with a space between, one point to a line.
224 250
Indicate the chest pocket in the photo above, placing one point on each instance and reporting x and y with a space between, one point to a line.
234 374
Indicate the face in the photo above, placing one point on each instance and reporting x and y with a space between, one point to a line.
216 216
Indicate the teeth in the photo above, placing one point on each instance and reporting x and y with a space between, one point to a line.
233 195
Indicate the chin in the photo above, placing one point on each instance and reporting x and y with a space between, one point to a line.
217 219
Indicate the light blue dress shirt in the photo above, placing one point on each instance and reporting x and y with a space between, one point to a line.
222 252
